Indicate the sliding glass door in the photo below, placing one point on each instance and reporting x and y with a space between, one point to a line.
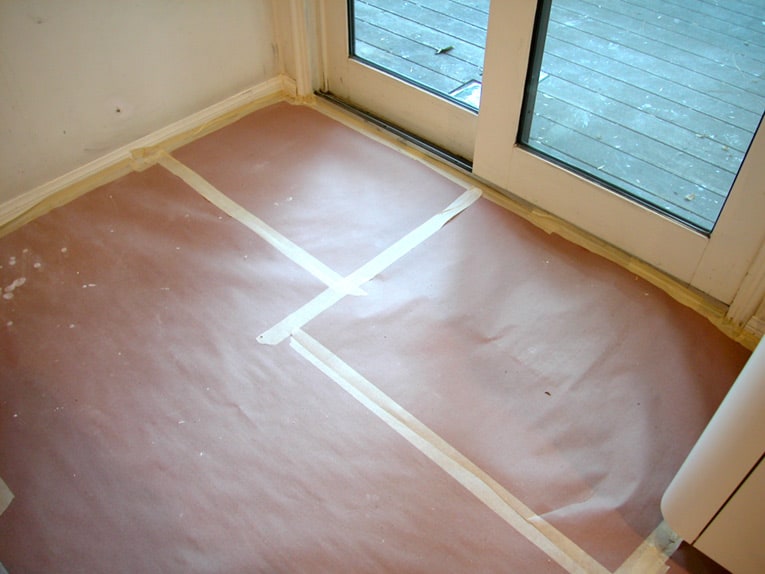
629 119
660 104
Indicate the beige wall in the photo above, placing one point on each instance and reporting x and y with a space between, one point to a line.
80 78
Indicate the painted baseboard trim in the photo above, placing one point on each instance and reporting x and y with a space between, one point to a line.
279 87
289 86
756 327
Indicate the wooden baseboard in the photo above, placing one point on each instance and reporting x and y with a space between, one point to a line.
755 329
25 207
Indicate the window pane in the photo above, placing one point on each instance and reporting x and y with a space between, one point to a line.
658 99
435 44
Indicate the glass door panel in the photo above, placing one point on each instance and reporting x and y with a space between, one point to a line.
652 140
437 45
657 100
405 62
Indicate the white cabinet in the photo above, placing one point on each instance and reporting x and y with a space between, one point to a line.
717 499
737 533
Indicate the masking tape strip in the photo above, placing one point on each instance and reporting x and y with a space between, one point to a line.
6 496
548 539
369 270
652 555
748 335
269 234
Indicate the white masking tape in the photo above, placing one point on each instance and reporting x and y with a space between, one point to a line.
269 234
368 271
540 533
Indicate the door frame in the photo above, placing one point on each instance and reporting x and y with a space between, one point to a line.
448 125
728 265
703 262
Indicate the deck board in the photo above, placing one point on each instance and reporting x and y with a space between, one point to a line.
657 69
589 156
729 119
665 45
465 49
426 18
403 67
720 11
687 11
634 134
662 108
749 57
747 8
397 41
630 162
658 98
457 11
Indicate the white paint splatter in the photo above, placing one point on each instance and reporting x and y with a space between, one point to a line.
9 324
16 283
9 289
12 261
64 249
37 265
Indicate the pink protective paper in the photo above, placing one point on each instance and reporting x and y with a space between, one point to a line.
144 428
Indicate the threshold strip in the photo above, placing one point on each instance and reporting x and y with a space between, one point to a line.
421 143
368 271
286 247
514 512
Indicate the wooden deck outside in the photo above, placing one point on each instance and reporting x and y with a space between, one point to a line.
657 98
